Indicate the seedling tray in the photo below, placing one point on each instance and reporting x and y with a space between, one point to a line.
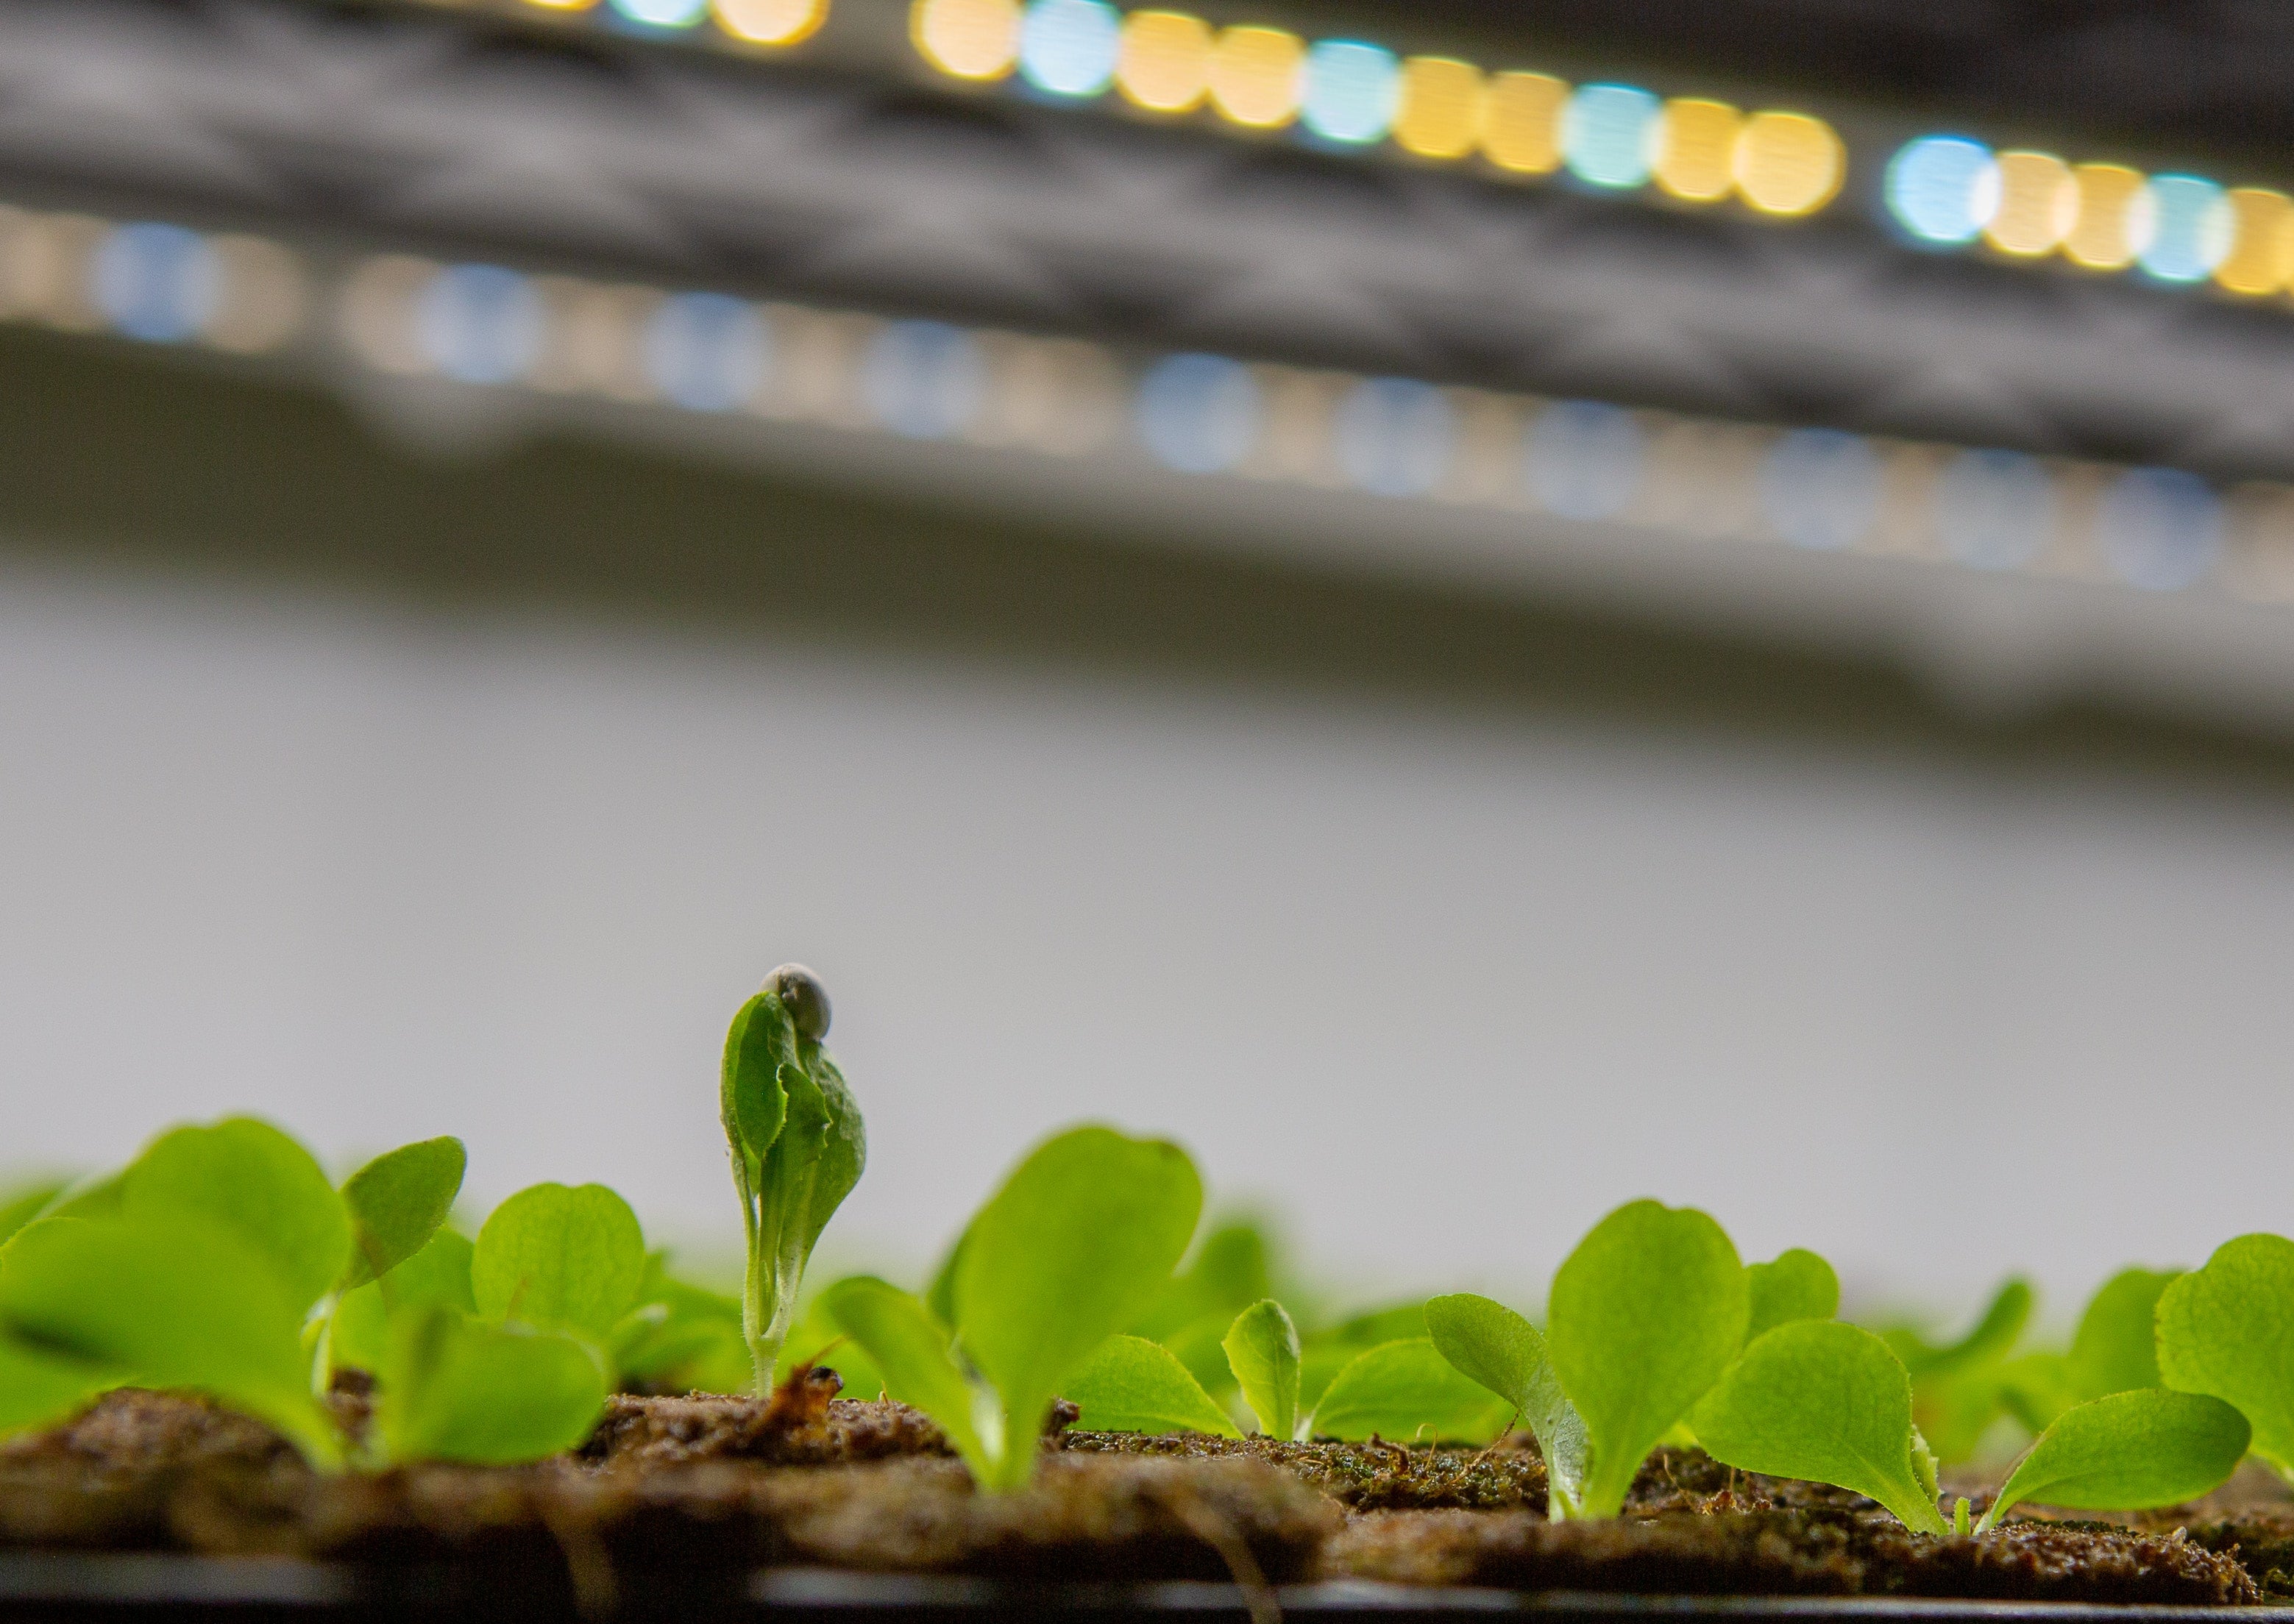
86 1588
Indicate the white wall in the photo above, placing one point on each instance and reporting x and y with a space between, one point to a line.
1446 992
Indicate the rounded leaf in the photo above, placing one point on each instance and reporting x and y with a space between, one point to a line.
2228 1330
491 1395
1131 1384
1796 1284
1406 1391
1826 1402
2117 1347
1072 1247
257 1182
2129 1451
396 1203
1645 1314
1262 1351
559 1258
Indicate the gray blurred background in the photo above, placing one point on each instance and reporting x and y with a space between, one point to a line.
392 758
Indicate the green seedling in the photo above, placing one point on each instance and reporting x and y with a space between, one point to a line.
455 1388
1262 1352
256 1181
2227 1330
22 1202
685 1338
168 1298
1796 1284
2116 1349
1130 1384
1960 1388
560 1259
1498 1348
1072 1247
2129 1451
439 1276
1231 1269
1406 1390
1645 1314
1828 1402
797 1146
396 1203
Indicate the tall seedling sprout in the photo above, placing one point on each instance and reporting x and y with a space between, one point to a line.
797 1147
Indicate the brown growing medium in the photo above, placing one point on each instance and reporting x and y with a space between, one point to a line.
687 1496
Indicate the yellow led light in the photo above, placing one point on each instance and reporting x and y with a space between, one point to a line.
971 39
2113 223
1441 114
2038 204
1696 149
1521 122
1164 63
770 22
1788 163
1256 75
563 5
2261 258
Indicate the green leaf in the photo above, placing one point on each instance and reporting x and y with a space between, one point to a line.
1075 1244
2129 1451
2228 1330
40 1387
397 1202
751 1100
911 1348
25 1202
816 1339
682 1338
1496 1347
1645 1314
1826 1402
1408 1392
439 1276
183 1300
1262 1349
454 1389
2038 1387
1797 1285
2117 1347
559 1259
255 1181
2002 1321
1131 1384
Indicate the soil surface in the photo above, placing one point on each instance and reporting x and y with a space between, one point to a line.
684 1497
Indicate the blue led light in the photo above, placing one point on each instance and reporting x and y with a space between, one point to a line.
1069 47
1199 414
1995 510
662 13
1585 459
2192 230
706 352
923 379
1353 91
1394 435
160 283
1609 135
480 324
1821 487
2160 528
1943 189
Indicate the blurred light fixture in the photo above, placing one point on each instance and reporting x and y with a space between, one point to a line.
1165 62
2116 217
1943 189
1199 414
1258 76
770 22
2192 227
1609 134
926 380
1521 122
1069 47
1821 487
706 352
1994 510
158 283
1788 163
1441 112
2261 259
480 324
1586 458
1353 91
2038 204
1394 436
967 39
662 13
2161 529
1696 149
